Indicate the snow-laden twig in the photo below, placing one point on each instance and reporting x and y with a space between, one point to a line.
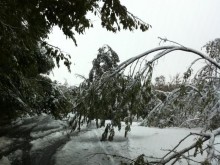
162 92
192 63
183 156
211 148
131 60
211 137
210 77
170 94
176 146
195 89
189 120
181 152
167 40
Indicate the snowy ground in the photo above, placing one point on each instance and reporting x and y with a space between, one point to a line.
86 148
48 143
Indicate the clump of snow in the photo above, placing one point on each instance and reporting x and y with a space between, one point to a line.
16 156
46 132
40 134
31 122
47 126
5 143
4 161
46 141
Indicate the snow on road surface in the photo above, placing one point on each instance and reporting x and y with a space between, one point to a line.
49 144
86 148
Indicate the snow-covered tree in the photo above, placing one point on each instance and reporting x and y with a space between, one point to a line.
118 98
192 103
187 103
23 35
107 59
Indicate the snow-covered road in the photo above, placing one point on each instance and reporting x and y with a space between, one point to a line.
87 149
44 141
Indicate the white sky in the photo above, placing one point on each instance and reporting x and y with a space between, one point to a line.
189 22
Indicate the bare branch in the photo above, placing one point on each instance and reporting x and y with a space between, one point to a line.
189 120
166 40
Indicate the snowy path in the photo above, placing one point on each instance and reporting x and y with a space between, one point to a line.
154 142
43 141
82 149
16 142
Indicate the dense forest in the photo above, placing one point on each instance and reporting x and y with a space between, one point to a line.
112 91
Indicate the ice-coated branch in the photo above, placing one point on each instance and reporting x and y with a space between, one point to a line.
169 95
181 152
167 40
176 146
162 92
161 51
211 77
211 137
195 89
174 155
189 120
165 50
211 147
183 156
124 64
192 63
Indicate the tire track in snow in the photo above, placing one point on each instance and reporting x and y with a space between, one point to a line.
100 143
83 149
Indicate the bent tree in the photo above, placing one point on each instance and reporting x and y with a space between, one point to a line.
114 99
203 90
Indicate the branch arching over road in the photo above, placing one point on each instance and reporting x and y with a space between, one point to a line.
162 51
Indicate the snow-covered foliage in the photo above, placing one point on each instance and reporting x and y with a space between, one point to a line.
110 98
194 103
111 94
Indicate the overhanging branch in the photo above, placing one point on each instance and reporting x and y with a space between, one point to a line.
166 50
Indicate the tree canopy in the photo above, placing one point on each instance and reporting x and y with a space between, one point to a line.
25 54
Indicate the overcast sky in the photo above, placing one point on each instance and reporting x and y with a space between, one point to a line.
189 22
